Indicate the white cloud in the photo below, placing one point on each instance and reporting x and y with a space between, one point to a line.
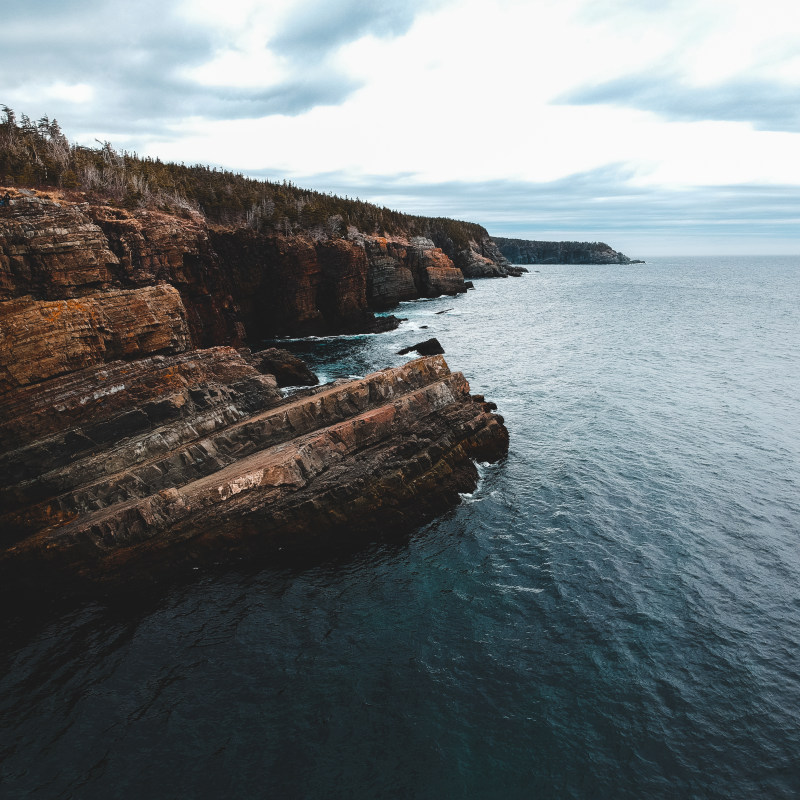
441 92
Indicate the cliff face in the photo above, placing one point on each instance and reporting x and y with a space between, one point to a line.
476 257
58 250
40 339
404 269
130 449
235 284
524 251
296 286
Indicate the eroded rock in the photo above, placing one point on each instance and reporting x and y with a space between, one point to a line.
287 368
212 472
430 347
139 438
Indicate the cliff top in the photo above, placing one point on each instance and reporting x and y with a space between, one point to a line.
38 155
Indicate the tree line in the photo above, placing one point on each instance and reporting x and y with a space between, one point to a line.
38 154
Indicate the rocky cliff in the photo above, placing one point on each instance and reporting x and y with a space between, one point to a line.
131 472
236 284
525 251
139 438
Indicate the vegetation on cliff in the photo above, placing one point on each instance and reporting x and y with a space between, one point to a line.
526 251
37 154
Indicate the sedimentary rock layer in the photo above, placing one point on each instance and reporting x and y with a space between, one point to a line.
402 269
236 284
215 465
138 437
43 338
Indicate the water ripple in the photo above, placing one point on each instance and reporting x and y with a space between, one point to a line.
613 612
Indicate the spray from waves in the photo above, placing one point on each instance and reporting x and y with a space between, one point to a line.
485 469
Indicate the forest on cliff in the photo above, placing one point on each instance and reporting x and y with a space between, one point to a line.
38 154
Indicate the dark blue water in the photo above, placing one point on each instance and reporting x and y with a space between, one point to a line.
614 613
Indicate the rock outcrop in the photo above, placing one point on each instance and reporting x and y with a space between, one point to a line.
524 251
405 269
132 473
297 286
478 257
287 368
43 338
430 347
235 285
139 438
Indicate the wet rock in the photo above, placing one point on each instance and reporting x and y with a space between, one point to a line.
429 347
287 368
218 470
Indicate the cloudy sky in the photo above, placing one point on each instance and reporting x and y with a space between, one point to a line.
661 127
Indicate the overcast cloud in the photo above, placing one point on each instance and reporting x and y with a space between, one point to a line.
767 105
116 67
651 124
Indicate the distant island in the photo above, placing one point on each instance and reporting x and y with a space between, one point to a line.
526 251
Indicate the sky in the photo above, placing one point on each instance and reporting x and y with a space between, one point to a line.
665 127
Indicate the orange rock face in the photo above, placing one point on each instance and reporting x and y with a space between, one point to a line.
43 338
403 270
138 438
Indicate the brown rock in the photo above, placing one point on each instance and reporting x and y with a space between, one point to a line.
295 286
44 338
287 368
406 269
51 250
221 480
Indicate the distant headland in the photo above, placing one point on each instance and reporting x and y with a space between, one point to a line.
526 251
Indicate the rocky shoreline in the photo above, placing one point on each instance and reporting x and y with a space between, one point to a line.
140 437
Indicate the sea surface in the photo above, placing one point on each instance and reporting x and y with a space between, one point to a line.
613 613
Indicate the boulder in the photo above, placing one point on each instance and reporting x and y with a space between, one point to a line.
430 347
288 369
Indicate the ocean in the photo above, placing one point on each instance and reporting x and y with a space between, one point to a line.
613 613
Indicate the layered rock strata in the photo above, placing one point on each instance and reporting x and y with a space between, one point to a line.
139 438
235 285
43 338
205 462
478 257
405 269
